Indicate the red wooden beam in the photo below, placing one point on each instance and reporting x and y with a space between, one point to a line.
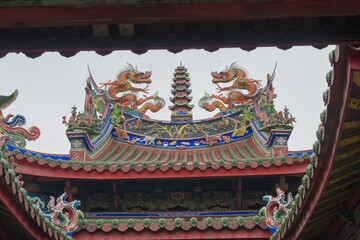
35 16
35 169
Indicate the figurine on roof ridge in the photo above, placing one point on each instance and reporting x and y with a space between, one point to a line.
10 126
129 98
276 209
234 96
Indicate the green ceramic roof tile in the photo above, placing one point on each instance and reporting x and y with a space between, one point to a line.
148 156
138 156
223 155
231 151
6 171
177 154
128 155
185 157
213 155
166 159
117 156
205 159
194 156
110 153
158 156
241 152
248 148
178 222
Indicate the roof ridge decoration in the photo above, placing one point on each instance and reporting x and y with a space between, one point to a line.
276 209
10 126
250 116
16 136
129 99
64 214
234 98
32 206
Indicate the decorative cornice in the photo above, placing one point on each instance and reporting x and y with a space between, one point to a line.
171 224
176 164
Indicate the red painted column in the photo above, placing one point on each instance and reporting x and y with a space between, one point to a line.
282 185
116 196
68 190
238 193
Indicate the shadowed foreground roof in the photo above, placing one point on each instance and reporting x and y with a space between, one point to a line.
331 184
35 27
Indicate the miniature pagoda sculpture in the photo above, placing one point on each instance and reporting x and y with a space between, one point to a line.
181 110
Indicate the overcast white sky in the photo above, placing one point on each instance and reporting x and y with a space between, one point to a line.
51 84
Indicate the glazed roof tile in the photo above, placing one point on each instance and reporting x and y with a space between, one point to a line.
172 224
122 157
334 165
10 180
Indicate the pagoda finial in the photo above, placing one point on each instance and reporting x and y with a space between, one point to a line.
181 110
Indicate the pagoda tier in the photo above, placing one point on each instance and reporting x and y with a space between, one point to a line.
182 76
181 95
182 88
181 110
181 81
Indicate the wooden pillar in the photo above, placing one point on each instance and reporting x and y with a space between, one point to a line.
82 195
238 193
115 195
69 190
282 180
282 185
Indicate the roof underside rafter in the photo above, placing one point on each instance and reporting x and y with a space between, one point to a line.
103 28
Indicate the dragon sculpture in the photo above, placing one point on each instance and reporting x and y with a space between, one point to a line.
64 214
234 96
129 99
10 126
276 209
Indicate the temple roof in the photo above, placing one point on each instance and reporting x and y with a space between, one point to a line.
19 212
126 142
331 185
123 159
